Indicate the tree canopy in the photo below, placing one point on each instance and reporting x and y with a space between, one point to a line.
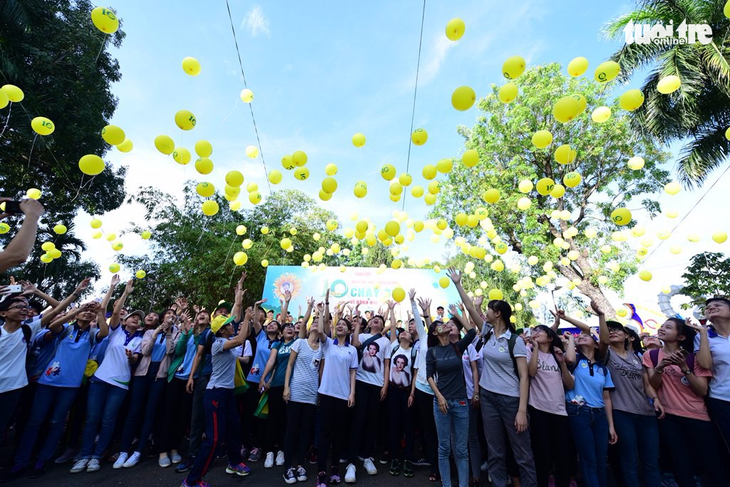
707 276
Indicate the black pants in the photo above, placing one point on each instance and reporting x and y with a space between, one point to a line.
362 437
427 425
550 445
333 430
401 423
254 428
276 423
693 443
299 418
177 420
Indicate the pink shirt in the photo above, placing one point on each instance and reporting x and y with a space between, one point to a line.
546 388
676 393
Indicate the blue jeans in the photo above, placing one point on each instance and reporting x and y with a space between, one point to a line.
102 406
589 427
46 397
146 394
456 422
639 437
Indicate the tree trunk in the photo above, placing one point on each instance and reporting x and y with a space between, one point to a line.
590 290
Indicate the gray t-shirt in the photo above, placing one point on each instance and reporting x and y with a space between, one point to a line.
628 395
304 380
498 370
224 366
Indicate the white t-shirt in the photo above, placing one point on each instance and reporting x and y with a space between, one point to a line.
372 365
470 355
720 350
13 352
421 349
338 361
243 350
305 373
401 368
115 369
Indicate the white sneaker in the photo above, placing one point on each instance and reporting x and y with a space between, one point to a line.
133 460
120 460
93 465
301 474
350 474
269 462
280 458
370 466
79 466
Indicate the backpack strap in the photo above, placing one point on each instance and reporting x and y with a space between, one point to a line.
654 356
483 340
392 354
511 347
27 332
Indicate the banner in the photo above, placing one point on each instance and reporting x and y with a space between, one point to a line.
369 287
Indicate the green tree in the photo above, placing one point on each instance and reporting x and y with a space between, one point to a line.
52 51
192 254
707 275
699 111
502 137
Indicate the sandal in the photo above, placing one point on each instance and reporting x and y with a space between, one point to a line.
433 477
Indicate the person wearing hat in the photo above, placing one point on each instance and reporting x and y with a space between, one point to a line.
221 417
109 384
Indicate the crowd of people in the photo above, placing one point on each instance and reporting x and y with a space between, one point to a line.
337 389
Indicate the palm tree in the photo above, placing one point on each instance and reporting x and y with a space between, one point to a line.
699 112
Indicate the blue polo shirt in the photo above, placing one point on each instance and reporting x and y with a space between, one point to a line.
73 347
263 351
590 382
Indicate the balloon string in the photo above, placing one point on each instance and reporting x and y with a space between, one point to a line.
103 43
7 119
229 250
413 110
30 155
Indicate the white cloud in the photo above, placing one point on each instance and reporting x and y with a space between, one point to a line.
441 46
256 23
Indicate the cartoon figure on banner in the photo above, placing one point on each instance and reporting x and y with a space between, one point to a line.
287 282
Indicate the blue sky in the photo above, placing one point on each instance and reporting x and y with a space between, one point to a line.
322 71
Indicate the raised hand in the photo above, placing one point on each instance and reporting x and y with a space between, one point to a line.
454 275
129 287
453 310
478 300
391 304
559 355
412 294
424 304
115 280
596 308
82 286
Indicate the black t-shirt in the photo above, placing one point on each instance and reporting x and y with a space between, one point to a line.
444 362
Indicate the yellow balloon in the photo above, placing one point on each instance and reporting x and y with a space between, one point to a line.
181 155
566 109
205 190
405 179
246 95
719 237
430 199
542 139
264 230
95 223
545 186
91 165
252 152
398 294
508 93
572 179
114 268
111 237
672 188
525 186
329 185
358 140
264 263
13 93
601 114
444 166
202 147
455 28
565 154
577 66
112 135
582 102
146 235
288 163
387 172
117 246
54 253
606 71
491 196
285 243
433 187
165 144
240 258
429 172
621 216
636 163
645 276
140 274
361 189
234 178
495 295
105 20
668 84
204 165
299 158
417 191
392 228
191 66
330 169
501 248
513 67
3 99
185 120
33 193
42 126
444 282
524 204
301 173
60 229
332 225
558 191
126 146
463 98
470 158
48 246
275 176
419 137
631 100
254 197
210 208
46 259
